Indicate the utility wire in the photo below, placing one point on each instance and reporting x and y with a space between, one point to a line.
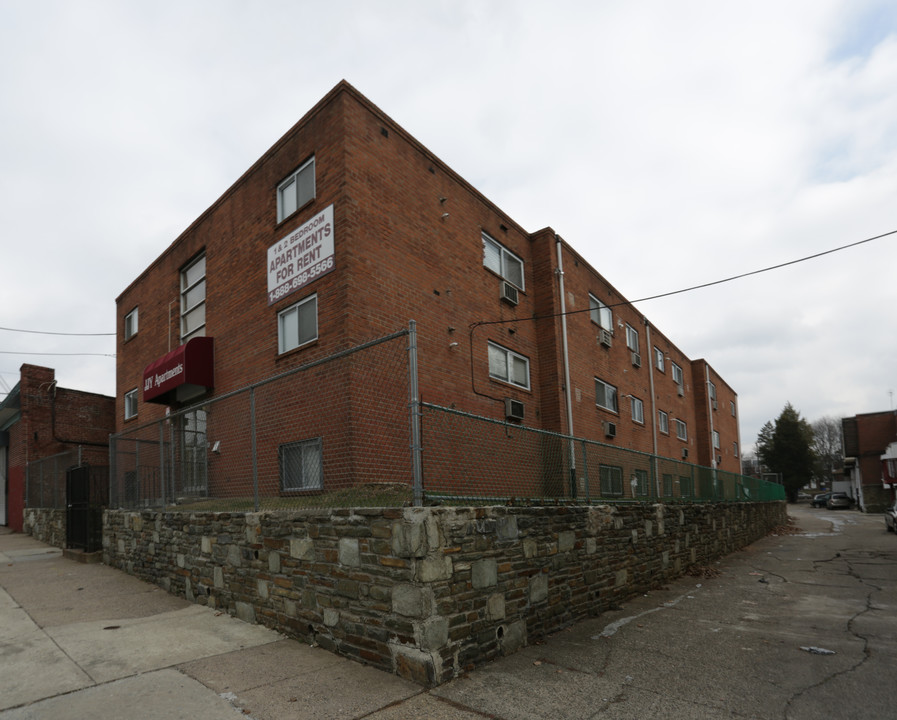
41 332
695 287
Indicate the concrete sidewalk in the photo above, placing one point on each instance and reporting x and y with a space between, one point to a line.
797 626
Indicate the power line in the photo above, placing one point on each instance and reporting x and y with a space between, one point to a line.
16 352
42 332
696 287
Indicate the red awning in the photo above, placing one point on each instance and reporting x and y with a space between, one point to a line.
184 373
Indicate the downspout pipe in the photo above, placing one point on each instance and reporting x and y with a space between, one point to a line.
559 271
653 399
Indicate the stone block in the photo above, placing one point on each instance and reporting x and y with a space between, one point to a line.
434 567
234 556
302 549
506 527
649 528
349 552
495 607
566 540
245 612
262 588
414 665
412 601
511 637
331 617
538 588
530 548
484 573
621 577
218 576
274 561
434 633
206 545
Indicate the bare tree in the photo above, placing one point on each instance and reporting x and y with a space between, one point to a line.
827 446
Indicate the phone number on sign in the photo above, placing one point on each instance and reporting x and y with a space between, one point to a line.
297 282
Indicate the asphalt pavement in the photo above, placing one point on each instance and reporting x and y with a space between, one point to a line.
799 625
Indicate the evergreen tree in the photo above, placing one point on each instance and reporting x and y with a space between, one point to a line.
788 450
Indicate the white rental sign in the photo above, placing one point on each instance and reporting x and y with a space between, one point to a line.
302 256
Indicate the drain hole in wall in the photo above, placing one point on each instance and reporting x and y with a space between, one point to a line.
500 632
256 554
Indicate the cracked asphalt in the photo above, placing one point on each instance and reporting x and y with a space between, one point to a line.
796 626
800 625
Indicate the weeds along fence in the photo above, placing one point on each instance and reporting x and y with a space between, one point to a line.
350 430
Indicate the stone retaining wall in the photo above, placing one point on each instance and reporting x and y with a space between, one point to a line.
427 593
46 524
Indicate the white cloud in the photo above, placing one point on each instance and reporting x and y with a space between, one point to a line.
672 144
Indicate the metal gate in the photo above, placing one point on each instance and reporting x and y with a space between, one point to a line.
84 509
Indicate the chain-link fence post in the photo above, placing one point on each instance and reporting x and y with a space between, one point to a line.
416 460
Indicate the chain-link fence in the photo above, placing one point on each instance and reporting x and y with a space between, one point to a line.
45 479
333 432
349 430
472 459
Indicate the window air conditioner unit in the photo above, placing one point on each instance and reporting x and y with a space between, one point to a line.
513 409
684 453
681 391
605 338
636 359
509 293
610 429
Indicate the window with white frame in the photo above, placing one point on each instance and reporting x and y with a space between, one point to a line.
667 485
297 324
301 465
605 395
734 449
194 465
631 338
681 430
658 359
638 410
131 404
715 440
611 478
686 486
508 366
640 486
663 422
296 190
131 324
193 299
600 313
502 261
712 390
677 375
732 407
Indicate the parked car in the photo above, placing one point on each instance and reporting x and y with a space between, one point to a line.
801 496
891 518
820 500
839 501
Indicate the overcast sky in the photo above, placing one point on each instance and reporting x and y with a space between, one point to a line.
671 143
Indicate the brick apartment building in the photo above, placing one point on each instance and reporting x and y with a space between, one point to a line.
40 420
347 228
866 441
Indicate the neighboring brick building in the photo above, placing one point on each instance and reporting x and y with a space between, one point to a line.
866 439
346 229
38 420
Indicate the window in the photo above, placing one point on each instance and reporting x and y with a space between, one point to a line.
732 407
658 359
686 486
508 366
638 410
677 375
131 404
639 482
668 485
193 299
716 440
631 338
605 395
712 390
734 449
611 479
600 313
301 465
131 324
193 453
681 430
296 190
502 262
297 324
663 422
